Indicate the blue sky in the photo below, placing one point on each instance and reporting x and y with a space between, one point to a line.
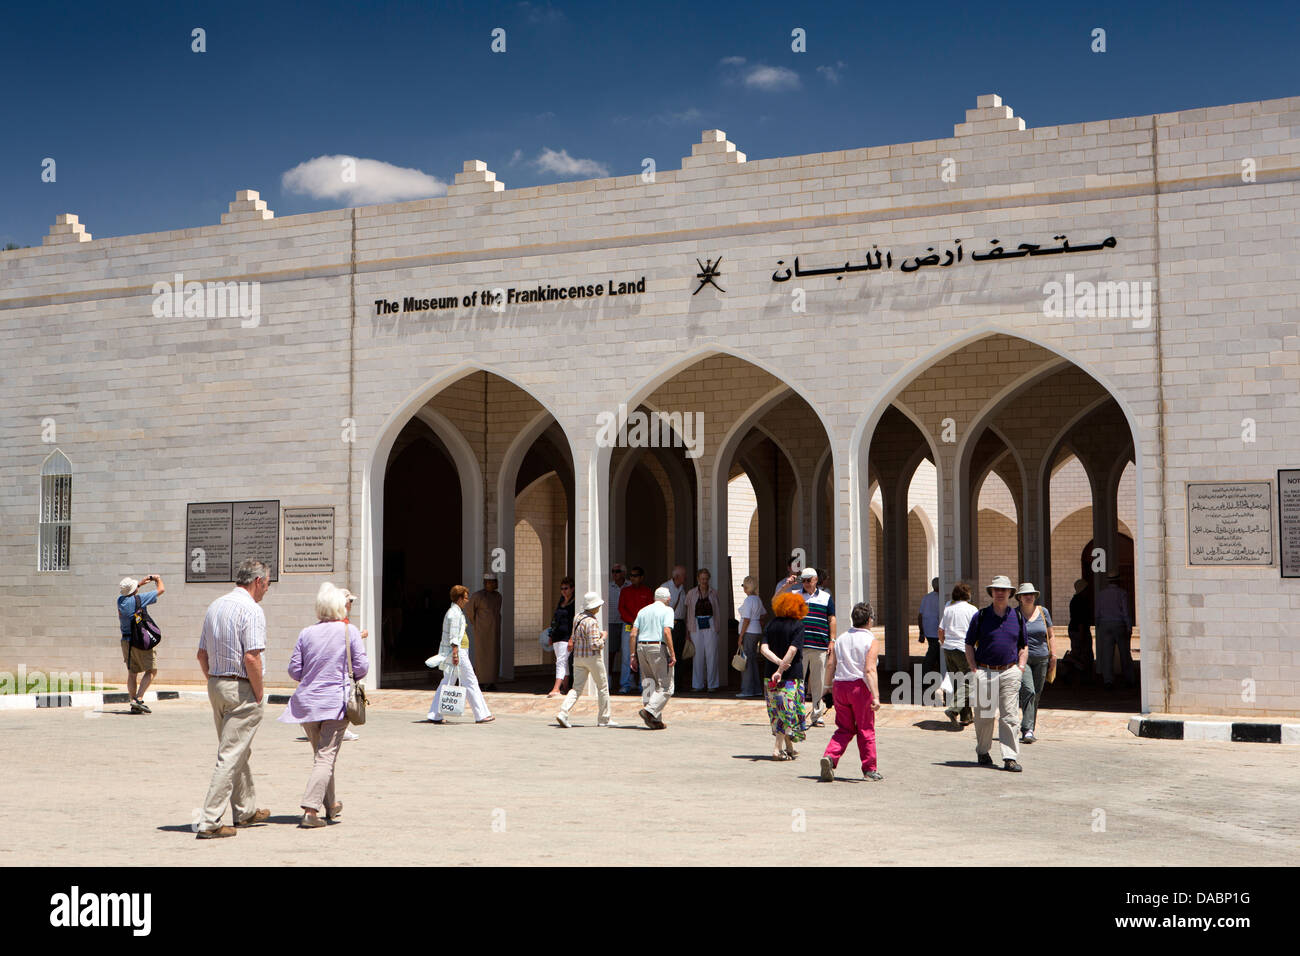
148 135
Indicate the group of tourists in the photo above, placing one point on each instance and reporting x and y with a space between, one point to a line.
995 662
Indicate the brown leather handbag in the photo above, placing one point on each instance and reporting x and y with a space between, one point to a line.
356 709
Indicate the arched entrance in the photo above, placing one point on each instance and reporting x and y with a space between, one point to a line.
670 505
445 480
994 439
421 476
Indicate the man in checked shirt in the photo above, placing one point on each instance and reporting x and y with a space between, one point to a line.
586 644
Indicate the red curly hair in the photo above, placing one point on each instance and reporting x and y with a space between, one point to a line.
789 605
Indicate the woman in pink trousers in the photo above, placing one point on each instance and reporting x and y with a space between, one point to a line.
856 694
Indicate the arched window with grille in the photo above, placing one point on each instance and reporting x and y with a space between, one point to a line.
56 514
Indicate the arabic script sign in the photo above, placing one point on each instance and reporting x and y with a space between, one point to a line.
1230 523
876 260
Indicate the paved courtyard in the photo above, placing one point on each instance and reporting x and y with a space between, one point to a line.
115 789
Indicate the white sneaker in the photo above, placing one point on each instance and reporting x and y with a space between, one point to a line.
349 735
563 719
610 723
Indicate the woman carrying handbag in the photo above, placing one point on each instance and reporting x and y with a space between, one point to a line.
455 661
327 660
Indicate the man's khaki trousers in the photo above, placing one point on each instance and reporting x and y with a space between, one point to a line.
997 698
657 678
236 713
592 666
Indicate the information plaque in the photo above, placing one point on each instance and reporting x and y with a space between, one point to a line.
220 535
1288 520
207 542
1230 523
308 540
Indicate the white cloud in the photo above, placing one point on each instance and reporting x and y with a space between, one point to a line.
562 164
758 76
832 73
516 156
360 181
771 78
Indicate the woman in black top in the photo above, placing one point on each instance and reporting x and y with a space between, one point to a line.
561 631
782 651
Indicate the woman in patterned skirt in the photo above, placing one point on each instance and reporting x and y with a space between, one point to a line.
782 651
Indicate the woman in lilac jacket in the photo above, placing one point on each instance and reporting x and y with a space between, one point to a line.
320 666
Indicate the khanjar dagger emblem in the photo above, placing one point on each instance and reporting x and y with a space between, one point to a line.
708 272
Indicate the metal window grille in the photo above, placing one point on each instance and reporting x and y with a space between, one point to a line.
56 523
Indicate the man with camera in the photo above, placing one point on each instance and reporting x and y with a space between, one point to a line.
139 660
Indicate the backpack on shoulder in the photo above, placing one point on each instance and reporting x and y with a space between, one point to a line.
145 632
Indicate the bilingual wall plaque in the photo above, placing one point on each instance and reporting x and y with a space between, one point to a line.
308 540
1288 520
219 535
1230 523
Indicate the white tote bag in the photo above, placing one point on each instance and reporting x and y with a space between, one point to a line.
452 701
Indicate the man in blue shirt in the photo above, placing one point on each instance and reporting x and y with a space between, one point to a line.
656 657
138 660
996 651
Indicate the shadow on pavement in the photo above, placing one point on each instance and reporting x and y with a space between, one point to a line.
937 725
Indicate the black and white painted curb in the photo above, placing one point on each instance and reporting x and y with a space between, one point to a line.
1253 732
92 699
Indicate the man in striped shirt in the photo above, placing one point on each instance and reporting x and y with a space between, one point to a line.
230 653
818 632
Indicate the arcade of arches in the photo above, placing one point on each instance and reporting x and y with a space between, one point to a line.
1015 446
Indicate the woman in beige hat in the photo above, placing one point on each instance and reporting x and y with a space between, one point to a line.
1040 667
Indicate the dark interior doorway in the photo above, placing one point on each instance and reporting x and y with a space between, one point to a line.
422 553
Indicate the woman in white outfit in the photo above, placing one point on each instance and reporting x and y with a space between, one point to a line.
704 622
455 660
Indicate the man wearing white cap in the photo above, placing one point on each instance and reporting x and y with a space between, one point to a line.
586 646
139 660
484 615
652 634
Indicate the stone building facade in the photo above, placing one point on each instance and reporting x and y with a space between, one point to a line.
831 321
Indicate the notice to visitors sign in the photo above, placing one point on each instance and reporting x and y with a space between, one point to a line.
220 535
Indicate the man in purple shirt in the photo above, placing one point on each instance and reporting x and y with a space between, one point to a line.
996 651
